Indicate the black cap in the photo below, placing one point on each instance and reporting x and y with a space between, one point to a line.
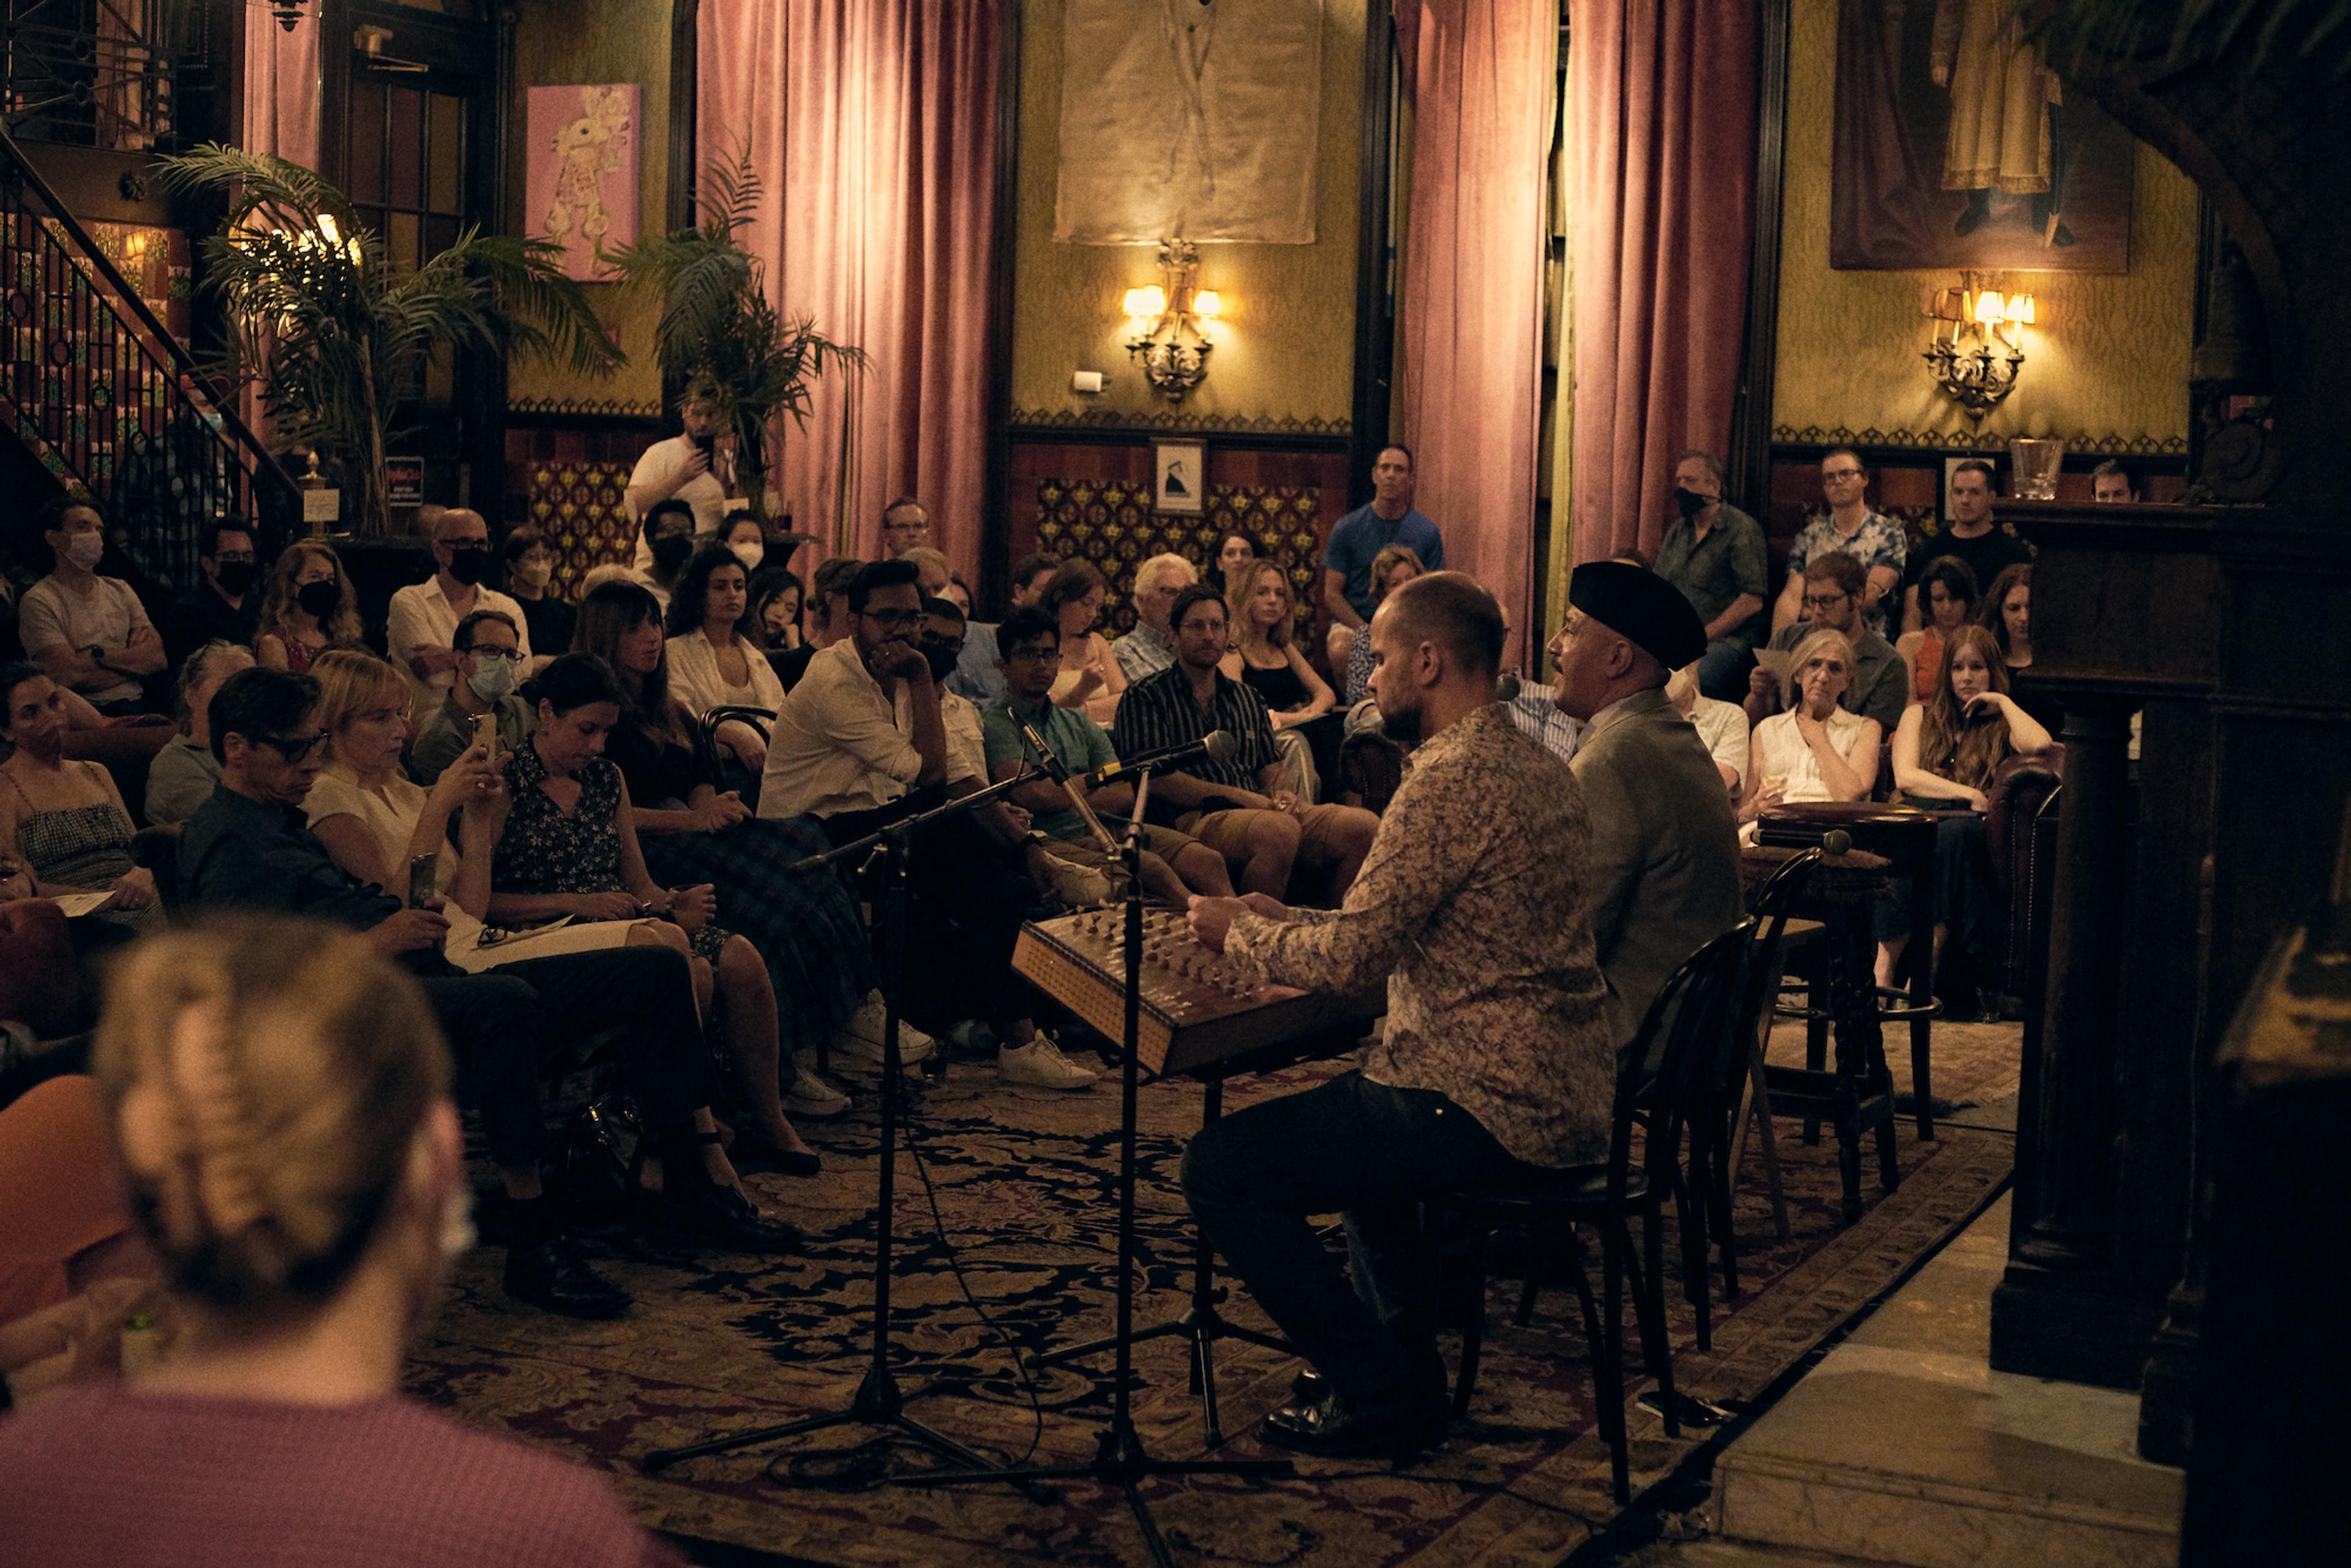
1640 606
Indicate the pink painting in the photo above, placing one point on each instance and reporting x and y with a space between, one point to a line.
582 184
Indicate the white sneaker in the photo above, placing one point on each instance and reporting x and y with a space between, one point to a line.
862 1034
809 1097
1041 1065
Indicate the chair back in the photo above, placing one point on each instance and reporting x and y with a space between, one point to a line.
1774 900
157 849
716 764
1677 1053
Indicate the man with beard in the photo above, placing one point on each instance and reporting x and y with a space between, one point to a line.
1497 1054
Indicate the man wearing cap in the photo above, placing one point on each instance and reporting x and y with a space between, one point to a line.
1663 875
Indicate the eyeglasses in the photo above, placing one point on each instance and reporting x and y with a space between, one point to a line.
510 655
895 620
1840 474
1040 652
1824 601
235 558
293 748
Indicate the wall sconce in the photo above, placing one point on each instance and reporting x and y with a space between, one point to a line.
1169 322
1975 350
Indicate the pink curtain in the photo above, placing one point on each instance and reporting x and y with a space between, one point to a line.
1479 73
281 85
873 125
1661 151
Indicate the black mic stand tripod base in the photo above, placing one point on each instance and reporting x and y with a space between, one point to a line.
1120 1460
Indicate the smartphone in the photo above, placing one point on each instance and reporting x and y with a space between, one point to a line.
421 871
486 733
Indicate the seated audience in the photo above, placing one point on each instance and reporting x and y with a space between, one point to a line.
2111 482
713 662
421 630
1949 588
860 744
88 633
1944 755
185 772
669 545
1234 551
530 567
933 572
488 646
1715 554
979 676
1833 586
276 1097
1239 809
1174 865
1260 614
2007 614
1820 750
1971 535
958 593
906 526
829 618
1722 725
65 817
1090 678
691 829
1662 873
309 609
225 606
1392 568
1145 651
776 595
746 537
249 848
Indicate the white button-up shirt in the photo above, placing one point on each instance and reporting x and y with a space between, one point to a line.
422 613
841 743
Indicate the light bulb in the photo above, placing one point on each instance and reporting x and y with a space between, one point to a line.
1153 300
1207 306
1989 311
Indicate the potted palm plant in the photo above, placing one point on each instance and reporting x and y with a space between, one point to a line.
331 332
719 338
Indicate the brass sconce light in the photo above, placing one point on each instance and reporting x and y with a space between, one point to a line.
1976 348
1169 320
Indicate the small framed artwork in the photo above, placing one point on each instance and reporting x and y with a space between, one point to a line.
1179 481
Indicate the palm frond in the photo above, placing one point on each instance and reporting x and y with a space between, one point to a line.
258 183
730 191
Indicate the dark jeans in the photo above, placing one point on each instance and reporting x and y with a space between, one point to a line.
966 890
505 1024
1370 1154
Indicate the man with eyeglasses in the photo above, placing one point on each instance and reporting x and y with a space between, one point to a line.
423 622
1831 601
904 526
490 666
1870 537
224 607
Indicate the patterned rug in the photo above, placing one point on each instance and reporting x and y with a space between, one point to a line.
1023 1182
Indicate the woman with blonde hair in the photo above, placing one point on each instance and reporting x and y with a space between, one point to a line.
277 1096
1815 750
309 608
1261 612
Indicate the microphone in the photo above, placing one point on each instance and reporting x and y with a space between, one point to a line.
1216 744
1054 768
1506 687
1060 773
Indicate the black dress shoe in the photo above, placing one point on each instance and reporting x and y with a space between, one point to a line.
1334 1429
551 1275
724 1217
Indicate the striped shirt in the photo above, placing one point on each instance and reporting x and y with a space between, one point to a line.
1162 712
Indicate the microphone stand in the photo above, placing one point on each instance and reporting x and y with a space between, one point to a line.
878 1401
1119 1459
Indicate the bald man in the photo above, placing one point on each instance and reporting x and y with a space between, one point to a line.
422 625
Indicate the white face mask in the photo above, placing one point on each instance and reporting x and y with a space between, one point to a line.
83 550
536 573
751 555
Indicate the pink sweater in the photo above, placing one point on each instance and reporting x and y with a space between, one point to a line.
103 1476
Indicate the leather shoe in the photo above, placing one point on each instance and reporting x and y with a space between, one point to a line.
551 1275
1334 1429
724 1217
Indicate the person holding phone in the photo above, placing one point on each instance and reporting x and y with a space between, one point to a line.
695 467
489 648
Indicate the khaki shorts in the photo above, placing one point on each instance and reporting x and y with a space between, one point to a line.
1226 832
1087 851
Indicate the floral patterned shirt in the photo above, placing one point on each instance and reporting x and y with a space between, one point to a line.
1879 541
1479 921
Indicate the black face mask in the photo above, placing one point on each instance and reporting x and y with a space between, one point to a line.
319 599
942 660
469 564
670 553
1690 502
233 577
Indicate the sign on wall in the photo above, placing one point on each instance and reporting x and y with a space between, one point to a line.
580 187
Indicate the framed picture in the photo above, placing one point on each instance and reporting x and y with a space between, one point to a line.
1179 477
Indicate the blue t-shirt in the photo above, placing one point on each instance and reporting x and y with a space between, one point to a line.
1362 533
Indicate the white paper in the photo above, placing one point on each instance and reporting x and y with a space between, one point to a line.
74 903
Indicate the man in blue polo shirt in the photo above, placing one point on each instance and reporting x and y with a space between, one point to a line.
1387 518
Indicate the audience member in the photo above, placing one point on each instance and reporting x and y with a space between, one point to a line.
422 629
1145 651
1233 552
860 744
958 593
713 662
829 619
1239 808
1714 553
2007 614
185 772
1260 614
1949 587
1974 538
1357 538
65 817
1945 756
309 607
547 619
906 526
746 537
488 646
2111 482
1174 865
931 568
1089 676
89 632
691 828
1392 568
1662 873
669 542
248 848
1722 725
225 605
777 597
980 675
276 1096
1880 687
694 467
1495 1057
1819 750
1848 525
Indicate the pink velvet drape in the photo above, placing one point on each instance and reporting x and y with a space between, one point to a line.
1661 150
873 125
1479 73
